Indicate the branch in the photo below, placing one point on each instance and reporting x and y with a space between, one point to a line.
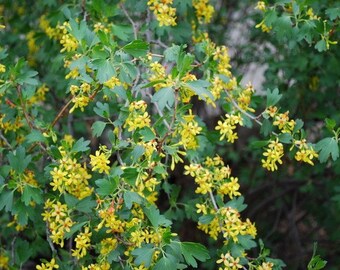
134 27
5 141
23 106
61 112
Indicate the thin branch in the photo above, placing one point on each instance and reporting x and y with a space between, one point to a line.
134 25
61 112
213 200
23 106
5 141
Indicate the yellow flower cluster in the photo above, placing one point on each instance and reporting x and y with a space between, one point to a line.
107 245
266 266
81 96
48 265
100 160
204 11
214 175
158 74
228 126
284 124
83 243
188 131
305 153
164 12
222 57
229 262
273 154
264 27
18 226
70 176
10 125
138 116
32 47
244 98
58 219
146 185
21 180
311 15
40 95
112 82
261 5
101 27
185 92
97 266
2 68
4 262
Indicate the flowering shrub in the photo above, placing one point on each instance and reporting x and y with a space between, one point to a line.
100 106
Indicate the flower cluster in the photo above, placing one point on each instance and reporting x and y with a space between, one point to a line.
100 160
229 262
164 12
273 154
70 176
228 126
305 152
40 95
188 130
112 82
282 121
57 216
2 68
261 5
48 265
9 125
81 96
266 266
204 11
138 116
83 242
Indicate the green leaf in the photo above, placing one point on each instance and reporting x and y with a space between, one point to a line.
137 152
156 219
258 144
194 251
200 88
123 32
165 264
171 53
143 255
285 138
333 13
98 128
147 134
321 45
327 147
130 175
106 187
18 159
102 109
163 97
266 127
330 124
31 194
132 197
273 97
206 219
237 203
246 241
137 48
316 263
6 200
298 125
74 229
86 205
35 136
105 69
80 146
23 250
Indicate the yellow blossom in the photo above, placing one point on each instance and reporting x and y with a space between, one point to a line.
99 162
48 265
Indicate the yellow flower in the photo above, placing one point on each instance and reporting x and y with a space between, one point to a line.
99 162
203 10
261 5
2 68
48 266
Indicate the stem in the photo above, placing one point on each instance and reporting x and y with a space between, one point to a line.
61 112
5 141
23 106
134 27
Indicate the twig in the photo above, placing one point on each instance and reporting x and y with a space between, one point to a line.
5 141
61 112
213 200
134 27
23 106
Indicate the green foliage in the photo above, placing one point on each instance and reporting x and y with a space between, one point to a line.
122 122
